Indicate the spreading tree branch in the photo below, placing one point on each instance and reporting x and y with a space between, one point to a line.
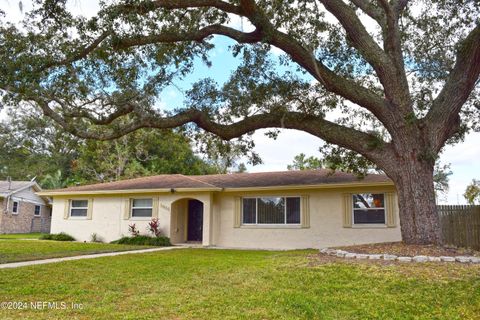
393 48
265 32
365 44
371 10
443 119
350 138
148 6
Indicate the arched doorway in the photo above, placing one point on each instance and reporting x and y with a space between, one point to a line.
186 223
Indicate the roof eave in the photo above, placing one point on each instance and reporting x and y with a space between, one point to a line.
124 191
314 186
186 190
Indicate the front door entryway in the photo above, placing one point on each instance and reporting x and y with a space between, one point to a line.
195 220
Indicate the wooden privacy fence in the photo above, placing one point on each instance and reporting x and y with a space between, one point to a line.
460 225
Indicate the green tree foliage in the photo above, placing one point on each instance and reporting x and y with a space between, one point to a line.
32 145
35 146
302 162
140 153
224 156
55 180
401 82
241 168
472 193
441 179
348 161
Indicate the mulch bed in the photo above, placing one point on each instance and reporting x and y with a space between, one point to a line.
409 250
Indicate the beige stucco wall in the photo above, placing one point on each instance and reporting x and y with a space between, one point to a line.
178 223
326 224
326 220
108 216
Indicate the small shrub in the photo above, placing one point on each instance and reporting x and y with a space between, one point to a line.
132 229
144 241
57 237
153 227
95 238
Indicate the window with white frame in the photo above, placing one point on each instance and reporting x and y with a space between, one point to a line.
15 207
37 211
78 208
369 208
271 210
142 208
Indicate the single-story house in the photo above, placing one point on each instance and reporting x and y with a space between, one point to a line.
21 209
277 210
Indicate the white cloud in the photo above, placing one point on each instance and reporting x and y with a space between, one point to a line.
240 23
277 154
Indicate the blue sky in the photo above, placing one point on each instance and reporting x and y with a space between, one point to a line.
277 154
223 63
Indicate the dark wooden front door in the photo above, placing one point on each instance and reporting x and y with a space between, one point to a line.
195 220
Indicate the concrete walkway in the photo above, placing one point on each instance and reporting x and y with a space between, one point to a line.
87 256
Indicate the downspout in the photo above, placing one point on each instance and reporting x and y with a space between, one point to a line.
5 209
8 195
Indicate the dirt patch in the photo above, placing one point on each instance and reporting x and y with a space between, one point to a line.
442 271
409 250
322 259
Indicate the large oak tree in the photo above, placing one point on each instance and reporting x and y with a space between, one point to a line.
403 72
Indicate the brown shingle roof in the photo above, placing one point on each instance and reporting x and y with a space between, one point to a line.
164 181
235 180
286 178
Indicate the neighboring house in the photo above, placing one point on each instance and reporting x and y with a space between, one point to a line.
21 209
281 210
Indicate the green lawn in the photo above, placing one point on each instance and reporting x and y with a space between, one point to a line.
21 236
24 250
229 284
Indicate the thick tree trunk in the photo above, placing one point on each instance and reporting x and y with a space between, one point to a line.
419 220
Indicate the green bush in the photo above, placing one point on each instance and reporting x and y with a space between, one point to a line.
57 237
145 241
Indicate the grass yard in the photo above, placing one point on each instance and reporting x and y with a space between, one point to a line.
229 284
21 236
25 250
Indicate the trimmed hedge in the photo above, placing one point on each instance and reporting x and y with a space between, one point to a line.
145 241
57 237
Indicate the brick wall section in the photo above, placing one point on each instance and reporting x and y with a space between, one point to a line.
25 221
42 223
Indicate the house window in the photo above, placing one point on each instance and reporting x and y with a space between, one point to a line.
78 208
369 208
37 211
142 208
271 210
15 207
